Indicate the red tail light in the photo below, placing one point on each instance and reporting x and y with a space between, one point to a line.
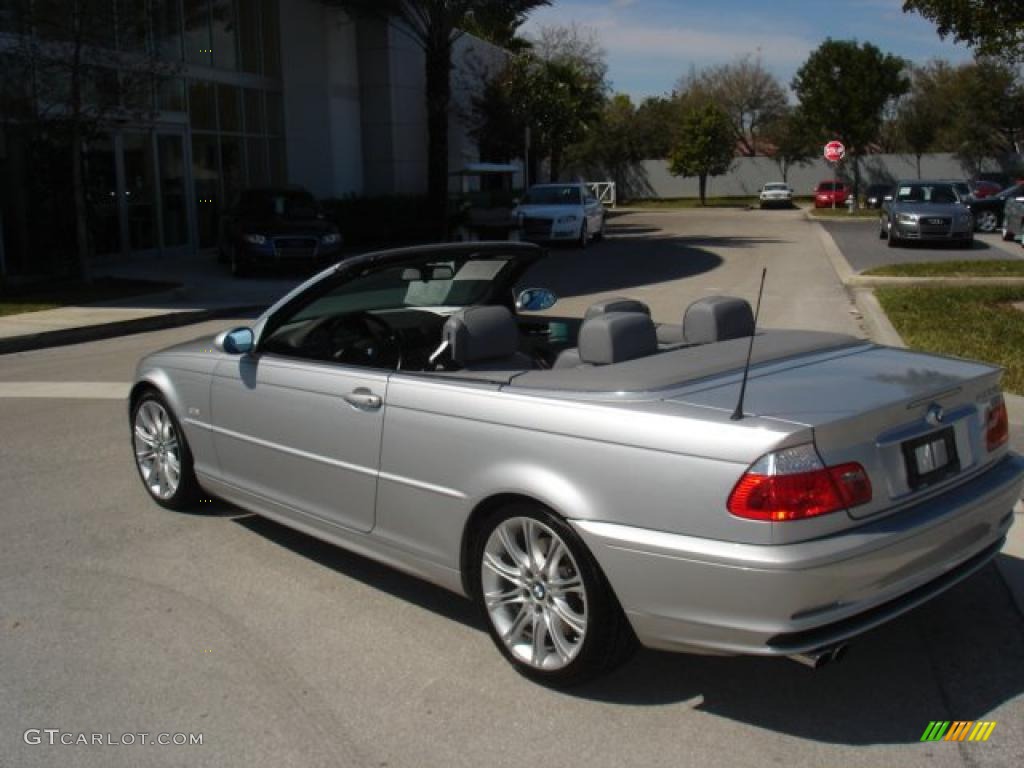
793 484
997 425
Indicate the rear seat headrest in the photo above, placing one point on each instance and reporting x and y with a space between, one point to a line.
616 304
481 333
717 318
617 337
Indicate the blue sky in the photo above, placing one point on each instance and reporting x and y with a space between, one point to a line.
650 44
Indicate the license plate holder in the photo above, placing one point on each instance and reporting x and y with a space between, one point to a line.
931 458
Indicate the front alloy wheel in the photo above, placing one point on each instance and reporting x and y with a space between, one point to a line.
162 456
987 221
548 607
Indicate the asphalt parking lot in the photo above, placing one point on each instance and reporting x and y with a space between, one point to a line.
117 616
864 249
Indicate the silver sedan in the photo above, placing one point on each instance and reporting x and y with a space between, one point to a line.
591 483
926 211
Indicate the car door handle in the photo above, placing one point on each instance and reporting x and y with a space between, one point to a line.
363 399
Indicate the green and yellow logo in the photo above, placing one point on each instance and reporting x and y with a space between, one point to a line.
958 730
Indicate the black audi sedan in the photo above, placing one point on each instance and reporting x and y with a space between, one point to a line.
988 211
276 227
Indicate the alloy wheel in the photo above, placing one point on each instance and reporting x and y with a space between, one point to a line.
534 593
158 451
987 221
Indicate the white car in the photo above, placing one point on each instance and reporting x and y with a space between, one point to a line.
776 193
561 212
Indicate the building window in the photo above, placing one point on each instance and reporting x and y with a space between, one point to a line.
223 34
202 106
198 48
166 20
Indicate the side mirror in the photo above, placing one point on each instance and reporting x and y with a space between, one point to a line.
235 342
535 300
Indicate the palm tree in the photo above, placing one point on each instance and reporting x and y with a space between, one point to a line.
435 25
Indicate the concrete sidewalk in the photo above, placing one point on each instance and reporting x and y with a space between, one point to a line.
207 291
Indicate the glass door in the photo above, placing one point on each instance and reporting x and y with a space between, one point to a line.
140 191
172 170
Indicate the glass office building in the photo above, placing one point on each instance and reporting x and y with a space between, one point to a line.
208 123
236 93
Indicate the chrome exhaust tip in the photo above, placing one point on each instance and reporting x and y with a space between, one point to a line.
819 658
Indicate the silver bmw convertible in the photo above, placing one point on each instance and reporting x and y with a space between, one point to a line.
591 482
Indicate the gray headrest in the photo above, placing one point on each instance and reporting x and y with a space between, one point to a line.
617 337
717 318
481 333
616 304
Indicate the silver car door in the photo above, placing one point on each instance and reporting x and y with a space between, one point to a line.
301 433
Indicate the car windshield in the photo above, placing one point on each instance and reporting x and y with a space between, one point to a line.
829 186
554 195
776 187
939 194
287 204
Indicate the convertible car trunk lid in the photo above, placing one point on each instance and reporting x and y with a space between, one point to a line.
915 422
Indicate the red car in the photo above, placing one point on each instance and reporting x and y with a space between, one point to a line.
829 192
981 188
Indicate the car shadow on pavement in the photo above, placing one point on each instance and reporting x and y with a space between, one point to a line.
369 572
958 657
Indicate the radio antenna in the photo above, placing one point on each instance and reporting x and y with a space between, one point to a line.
738 413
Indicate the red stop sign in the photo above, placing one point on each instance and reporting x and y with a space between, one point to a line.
835 151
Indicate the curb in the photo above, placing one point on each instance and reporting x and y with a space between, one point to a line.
78 335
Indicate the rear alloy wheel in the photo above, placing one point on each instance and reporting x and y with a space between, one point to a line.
987 221
549 608
162 455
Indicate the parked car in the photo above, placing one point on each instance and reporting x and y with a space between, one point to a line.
588 488
926 210
875 195
989 183
1013 216
561 212
276 227
829 193
775 194
988 212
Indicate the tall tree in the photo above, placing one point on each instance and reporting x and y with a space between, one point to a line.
991 27
748 93
656 121
793 142
435 25
844 88
612 148
704 146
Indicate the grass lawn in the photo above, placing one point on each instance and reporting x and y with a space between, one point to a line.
14 301
976 322
987 268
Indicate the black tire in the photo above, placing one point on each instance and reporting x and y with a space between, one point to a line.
892 239
608 640
882 233
188 491
584 235
239 268
599 235
1007 234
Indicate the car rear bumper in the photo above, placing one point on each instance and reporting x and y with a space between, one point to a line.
684 593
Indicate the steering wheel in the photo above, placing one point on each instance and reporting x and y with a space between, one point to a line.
359 338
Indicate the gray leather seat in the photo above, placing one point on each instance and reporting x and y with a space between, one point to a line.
570 358
611 338
485 339
715 318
